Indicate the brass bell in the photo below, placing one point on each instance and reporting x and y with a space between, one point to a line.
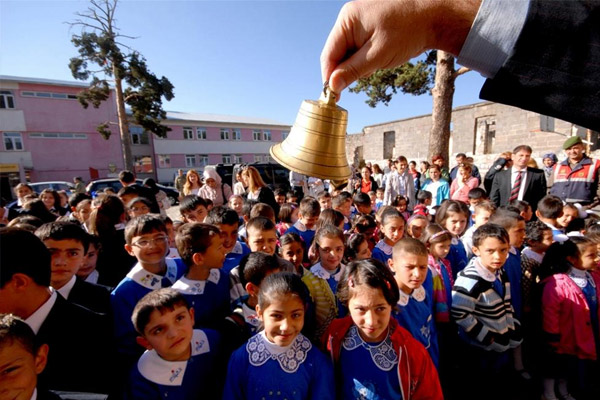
316 145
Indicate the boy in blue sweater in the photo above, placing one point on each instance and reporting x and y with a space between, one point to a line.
308 215
228 223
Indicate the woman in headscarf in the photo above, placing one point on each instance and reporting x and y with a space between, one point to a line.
213 189
549 160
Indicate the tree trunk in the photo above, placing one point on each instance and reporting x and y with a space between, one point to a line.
123 123
443 93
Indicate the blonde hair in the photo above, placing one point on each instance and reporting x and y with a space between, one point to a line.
187 186
255 181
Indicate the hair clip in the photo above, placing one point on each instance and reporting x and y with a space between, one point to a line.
351 282
436 235
389 286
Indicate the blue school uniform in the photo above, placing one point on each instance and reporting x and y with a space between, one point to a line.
261 369
233 258
156 378
301 230
368 370
415 314
382 252
512 267
129 291
457 257
209 298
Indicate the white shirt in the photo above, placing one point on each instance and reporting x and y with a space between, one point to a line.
36 319
65 291
513 178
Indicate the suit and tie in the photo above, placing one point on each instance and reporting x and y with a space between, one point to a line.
91 296
531 189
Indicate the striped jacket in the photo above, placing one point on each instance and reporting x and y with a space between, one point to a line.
485 317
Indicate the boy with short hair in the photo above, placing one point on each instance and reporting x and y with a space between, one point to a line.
147 239
308 215
415 307
424 200
481 215
379 198
362 203
246 211
180 364
193 208
549 209
68 244
88 271
343 203
538 237
524 208
263 210
280 195
204 286
324 199
292 196
228 223
476 196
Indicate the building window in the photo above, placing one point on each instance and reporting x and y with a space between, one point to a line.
164 161
284 135
203 159
47 95
7 99
188 133
267 136
237 134
224 134
257 135
485 135
13 141
190 160
54 135
257 158
143 164
201 133
237 159
138 135
267 158
226 158
546 123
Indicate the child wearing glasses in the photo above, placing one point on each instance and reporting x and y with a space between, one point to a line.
147 239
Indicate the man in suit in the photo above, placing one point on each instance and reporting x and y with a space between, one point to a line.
519 182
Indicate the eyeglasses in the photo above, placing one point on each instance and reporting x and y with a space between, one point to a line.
143 243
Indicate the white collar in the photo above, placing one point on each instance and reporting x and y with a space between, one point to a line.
170 373
322 273
300 226
418 294
190 286
153 281
513 250
237 248
36 319
537 257
173 253
93 277
454 240
383 246
579 276
65 291
250 316
483 271
34 395
382 354
290 357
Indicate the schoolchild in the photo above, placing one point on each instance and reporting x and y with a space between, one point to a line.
373 196
343 203
549 210
204 285
379 197
68 244
570 213
308 214
476 196
401 204
22 359
324 199
147 240
481 214
263 210
246 210
362 204
367 225
292 196
236 202
292 249
180 362
171 231
415 306
570 315
280 360
228 223
452 216
392 230
138 206
481 306
87 271
415 225
357 248
438 242
193 208
373 356
82 212
524 208
538 238
280 195
288 216
424 201
324 276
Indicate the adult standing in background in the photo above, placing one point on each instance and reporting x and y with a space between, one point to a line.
79 185
549 160
258 189
400 182
378 175
366 183
179 181
439 161
461 158
192 183
504 161
463 183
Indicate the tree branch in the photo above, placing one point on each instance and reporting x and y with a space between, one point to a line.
460 71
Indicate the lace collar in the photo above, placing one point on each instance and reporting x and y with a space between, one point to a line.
189 286
322 273
382 354
170 373
260 350
537 257
300 226
250 316
383 246
150 280
579 276
418 294
483 271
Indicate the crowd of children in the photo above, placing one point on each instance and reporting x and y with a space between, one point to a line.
338 296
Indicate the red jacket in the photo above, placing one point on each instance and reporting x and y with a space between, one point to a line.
416 372
566 317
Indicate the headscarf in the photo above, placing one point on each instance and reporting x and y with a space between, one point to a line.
548 170
211 172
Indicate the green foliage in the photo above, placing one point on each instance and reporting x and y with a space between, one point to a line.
415 79
104 130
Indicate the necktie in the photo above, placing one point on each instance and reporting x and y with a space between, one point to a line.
514 193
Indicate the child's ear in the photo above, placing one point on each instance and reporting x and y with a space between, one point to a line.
198 258
537 213
41 359
129 249
192 314
475 251
142 341
390 263
251 289
259 312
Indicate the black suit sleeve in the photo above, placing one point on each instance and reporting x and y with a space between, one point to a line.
555 67
495 190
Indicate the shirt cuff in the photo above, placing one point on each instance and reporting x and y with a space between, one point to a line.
493 35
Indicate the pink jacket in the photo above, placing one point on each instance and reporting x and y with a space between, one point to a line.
566 317
462 194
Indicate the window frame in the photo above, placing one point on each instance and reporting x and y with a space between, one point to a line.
190 160
14 138
7 98
188 133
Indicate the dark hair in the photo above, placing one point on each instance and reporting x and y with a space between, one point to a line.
550 207
341 199
292 193
582 242
77 198
362 199
323 194
555 260
63 230
247 207
423 195
291 238
462 155
14 329
161 300
441 234
282 284
55 195
411 246
489 230
363 223
144 200
38 209
127 190
329 231
285 212
534 231
254 267
352 244
399 198
126 176
309 207
151 183
194 238
222 215
390 213
454 207
370 272
262 210
506 218
279 191
522 147
330 217
23 253
26 219
260 224
104 218
485 205
190 202
522 205
142 225
477 193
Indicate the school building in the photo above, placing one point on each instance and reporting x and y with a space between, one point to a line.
48 136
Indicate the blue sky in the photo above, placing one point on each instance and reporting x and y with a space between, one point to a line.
244 58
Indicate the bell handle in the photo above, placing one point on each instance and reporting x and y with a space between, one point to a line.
328 96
